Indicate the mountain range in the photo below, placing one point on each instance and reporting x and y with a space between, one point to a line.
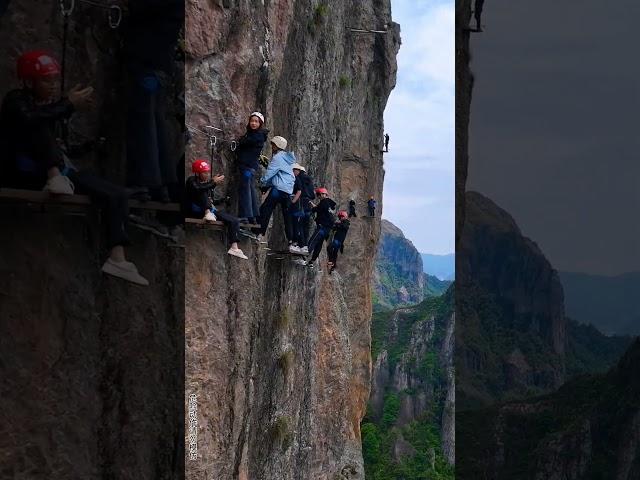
442 267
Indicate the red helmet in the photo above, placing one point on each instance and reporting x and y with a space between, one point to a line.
342 214
320 190
37 64
200 166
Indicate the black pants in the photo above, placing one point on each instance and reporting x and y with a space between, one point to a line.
232 224
332 251
275 198
317 240
112 198
148 158
352 211
372 211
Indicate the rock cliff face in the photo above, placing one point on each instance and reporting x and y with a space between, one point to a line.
590 428
76 347
511 335
279 357
413 377
399 279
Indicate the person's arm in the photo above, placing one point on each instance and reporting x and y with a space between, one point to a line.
28 113
271 171
296 197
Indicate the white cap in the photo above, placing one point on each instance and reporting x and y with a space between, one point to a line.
297 166
257 114
279 142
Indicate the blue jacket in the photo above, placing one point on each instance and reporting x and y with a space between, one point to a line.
279 173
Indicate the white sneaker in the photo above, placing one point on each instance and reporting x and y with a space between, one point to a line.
236 252
209 216
124 270
59 185
299 261
304 250
294 249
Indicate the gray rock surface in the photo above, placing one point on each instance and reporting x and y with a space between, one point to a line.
279 357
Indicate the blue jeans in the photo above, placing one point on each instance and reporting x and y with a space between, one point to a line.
248 197
317 239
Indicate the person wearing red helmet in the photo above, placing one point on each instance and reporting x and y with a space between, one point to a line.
29 119
324 211
200 203
340 230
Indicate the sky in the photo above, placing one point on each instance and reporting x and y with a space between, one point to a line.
554 134
419 118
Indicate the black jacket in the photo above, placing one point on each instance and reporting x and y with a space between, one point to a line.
249 148
152 33
30 130
325 212
341 229
200 194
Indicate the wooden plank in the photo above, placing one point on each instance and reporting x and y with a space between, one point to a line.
34 196
202 223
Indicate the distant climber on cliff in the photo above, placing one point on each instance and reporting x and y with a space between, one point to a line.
300 210
371 205
150 43
278 182
340 230
199 203
324 211
386 142
34 159
248 155
477 13
352 208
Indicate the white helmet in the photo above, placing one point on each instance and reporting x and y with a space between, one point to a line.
297 166
279 142
257 114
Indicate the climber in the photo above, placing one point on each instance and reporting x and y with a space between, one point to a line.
150 44
336 245
477 13
303 193
371 205
35 160
325 219
199 203
386 142
248 154
352 208
278 181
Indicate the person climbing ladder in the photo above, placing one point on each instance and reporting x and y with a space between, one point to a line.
248 154
325 219
303 193
341 228
199 203
371 206
352 208
278 181
35 160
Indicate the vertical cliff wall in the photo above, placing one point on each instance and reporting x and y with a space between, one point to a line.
76 347
278 356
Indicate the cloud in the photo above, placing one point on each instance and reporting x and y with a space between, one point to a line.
420 119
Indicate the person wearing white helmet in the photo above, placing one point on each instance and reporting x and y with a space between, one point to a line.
248 153
278 181
303 193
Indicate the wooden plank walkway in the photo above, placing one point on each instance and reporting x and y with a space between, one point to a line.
39 197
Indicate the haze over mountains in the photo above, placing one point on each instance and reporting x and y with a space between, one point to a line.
441 266
611 304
